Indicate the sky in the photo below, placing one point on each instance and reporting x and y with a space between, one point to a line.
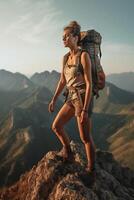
31 33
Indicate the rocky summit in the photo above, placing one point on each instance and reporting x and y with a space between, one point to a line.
55 179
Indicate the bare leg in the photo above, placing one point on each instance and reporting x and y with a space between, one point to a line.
63 116
85 135
90 147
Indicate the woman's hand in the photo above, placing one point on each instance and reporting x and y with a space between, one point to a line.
51 106
83 117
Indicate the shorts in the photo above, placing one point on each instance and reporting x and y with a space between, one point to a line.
78 105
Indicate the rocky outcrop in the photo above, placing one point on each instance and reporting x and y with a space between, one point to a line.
54 179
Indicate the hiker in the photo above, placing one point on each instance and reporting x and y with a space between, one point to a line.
76 76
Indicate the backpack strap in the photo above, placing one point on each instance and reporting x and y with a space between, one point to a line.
66 56
66 92
79 54
100 51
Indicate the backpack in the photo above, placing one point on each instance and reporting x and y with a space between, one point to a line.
91 41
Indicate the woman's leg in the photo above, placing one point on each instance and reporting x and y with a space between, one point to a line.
63 116
86 137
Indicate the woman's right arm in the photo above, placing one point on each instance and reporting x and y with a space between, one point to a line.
61 83
59 88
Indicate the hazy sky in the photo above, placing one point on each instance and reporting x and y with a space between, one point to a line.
31 32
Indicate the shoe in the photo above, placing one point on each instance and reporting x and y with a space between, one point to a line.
88 177
91 173
67 154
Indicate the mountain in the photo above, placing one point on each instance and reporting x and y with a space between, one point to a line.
10 99
113 124
14 81
47 79
115 133
121 144
123 80
114 100
53 179
25 135
26 119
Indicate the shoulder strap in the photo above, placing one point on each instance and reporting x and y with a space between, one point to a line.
79 54
66 56
100 51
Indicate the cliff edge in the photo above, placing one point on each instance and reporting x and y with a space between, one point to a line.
53 179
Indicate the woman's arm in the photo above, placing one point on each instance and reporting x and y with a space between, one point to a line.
61 82
86 63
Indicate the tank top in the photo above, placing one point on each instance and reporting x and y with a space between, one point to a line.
72 75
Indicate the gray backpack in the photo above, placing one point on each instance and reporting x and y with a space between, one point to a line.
91 42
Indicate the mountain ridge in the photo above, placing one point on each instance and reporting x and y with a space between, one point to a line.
31 128
53 179
123 80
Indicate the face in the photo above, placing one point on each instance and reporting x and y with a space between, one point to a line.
68 39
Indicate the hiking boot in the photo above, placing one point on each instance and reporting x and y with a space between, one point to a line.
91 173
88 177
67 154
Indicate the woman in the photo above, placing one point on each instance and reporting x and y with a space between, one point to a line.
76 76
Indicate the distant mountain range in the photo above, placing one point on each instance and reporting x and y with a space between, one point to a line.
25 134
114 121
46 78
14 81
25 124
17 81
114 100
122 80
10 99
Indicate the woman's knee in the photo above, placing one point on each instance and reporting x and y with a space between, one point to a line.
85 139
56 127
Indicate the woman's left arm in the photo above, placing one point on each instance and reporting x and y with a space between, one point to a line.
86 63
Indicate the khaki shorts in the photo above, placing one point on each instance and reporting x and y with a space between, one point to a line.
78 105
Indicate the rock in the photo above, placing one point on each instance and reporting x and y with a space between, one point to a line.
54 179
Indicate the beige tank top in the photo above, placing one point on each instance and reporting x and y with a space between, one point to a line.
74 76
